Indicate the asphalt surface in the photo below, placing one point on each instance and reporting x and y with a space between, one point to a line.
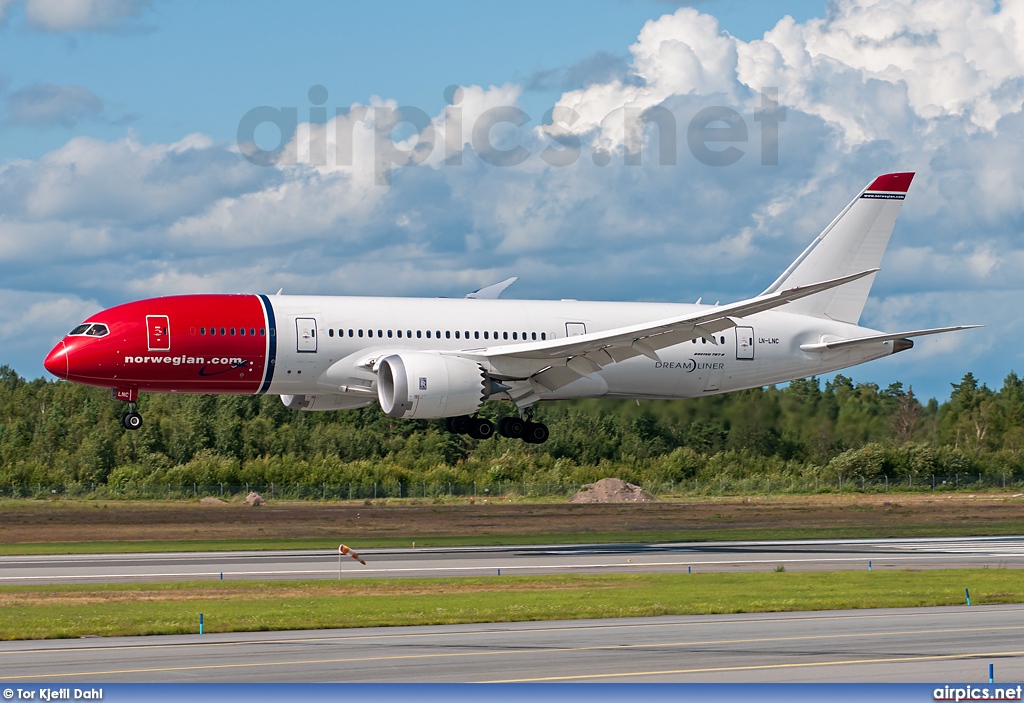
892 645
968 552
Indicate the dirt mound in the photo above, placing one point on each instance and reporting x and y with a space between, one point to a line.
254 499
612 490
210 500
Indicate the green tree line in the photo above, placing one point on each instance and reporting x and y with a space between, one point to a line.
55 433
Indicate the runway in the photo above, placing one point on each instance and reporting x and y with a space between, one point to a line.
895 645
967 552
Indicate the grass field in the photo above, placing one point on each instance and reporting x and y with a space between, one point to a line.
36 612
60 526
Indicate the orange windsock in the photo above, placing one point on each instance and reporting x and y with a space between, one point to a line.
343 549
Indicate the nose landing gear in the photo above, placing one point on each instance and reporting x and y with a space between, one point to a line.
131 419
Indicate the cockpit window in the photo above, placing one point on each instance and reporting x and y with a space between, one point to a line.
90 329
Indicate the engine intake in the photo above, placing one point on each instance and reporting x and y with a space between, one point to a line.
420 385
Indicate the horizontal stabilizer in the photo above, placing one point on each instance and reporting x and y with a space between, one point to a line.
875 338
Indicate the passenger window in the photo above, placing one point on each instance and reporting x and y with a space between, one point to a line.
476 335
418 334
456 334
543 335
202 331
232 331
437 333
330 332
223 331
241 331
351 333
399 334
360 333
514 336
428 334
447 334
486 335
380 333
389 334
504 335
533 335
252 331
263 331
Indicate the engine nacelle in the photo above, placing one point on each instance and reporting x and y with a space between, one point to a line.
326 401
419 385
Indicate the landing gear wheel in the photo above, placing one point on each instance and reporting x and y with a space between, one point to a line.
536 433
511 427
480 428
461 424
131 420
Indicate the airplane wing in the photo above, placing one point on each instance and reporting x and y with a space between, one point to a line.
571 358
857 341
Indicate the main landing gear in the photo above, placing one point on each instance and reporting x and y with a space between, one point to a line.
131 420
475 427
512 427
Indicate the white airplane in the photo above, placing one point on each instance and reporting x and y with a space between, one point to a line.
431 358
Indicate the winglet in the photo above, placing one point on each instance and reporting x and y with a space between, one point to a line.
494 291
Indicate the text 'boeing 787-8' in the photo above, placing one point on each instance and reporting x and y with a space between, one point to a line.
431 358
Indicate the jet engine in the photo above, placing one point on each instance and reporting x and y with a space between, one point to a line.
325 401
421 385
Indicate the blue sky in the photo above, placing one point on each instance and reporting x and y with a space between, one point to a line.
120 175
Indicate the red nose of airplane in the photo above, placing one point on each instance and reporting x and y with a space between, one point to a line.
56 361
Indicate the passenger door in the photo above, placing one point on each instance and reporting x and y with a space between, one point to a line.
305 335
158 332
745 343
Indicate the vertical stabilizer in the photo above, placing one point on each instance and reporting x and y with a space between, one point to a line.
854 241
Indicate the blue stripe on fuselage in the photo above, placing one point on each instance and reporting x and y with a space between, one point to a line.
268 377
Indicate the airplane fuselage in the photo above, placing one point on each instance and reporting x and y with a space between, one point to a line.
310 345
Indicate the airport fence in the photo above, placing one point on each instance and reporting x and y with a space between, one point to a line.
715 486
